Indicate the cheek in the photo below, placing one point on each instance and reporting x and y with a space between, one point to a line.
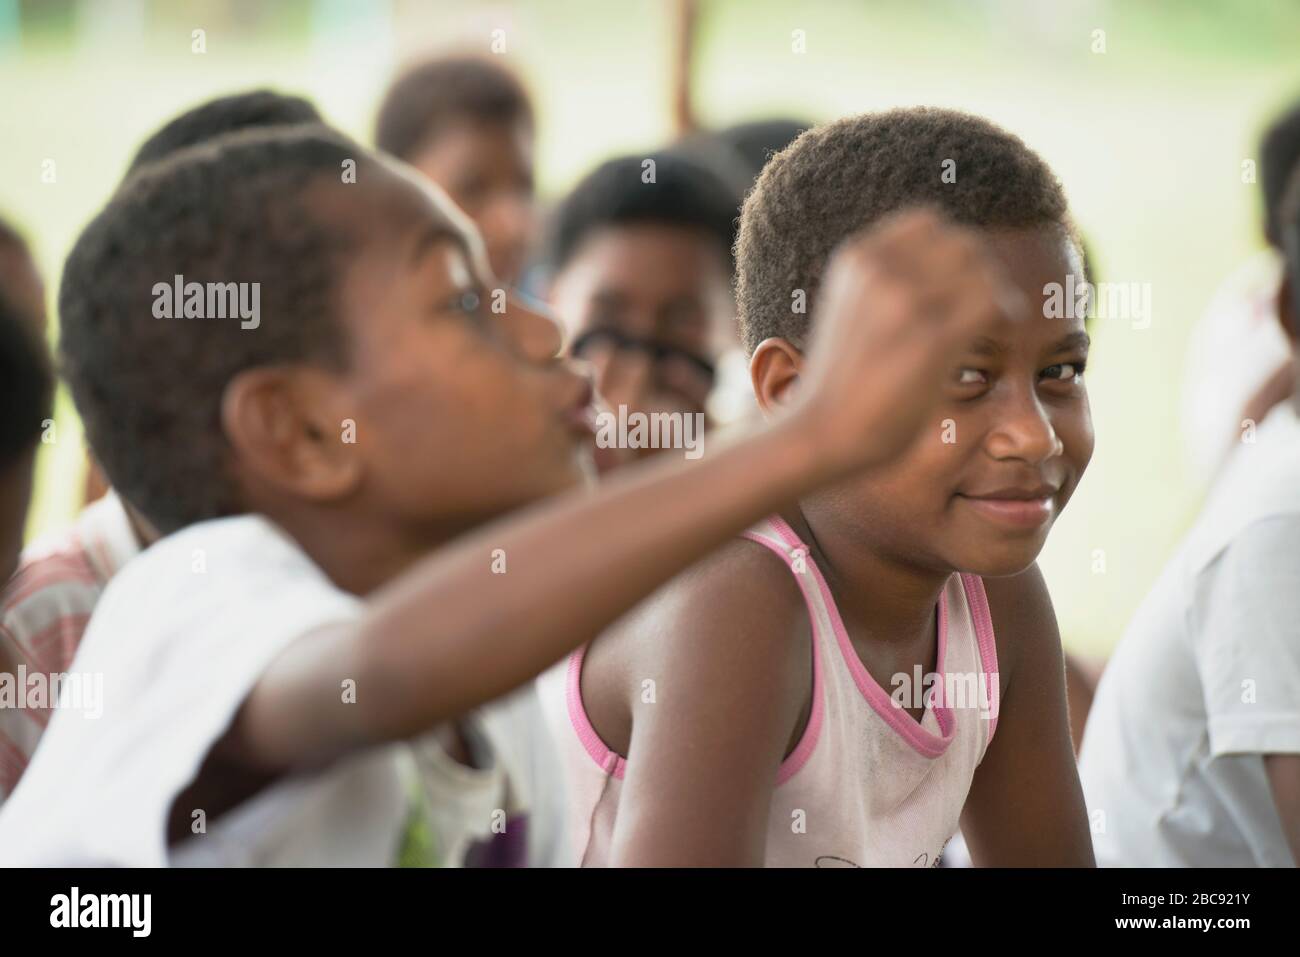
916 485
1074 429
430 393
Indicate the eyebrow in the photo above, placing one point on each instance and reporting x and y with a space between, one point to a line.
984 346
1075 340
433 234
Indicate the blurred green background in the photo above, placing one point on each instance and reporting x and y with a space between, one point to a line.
1148 137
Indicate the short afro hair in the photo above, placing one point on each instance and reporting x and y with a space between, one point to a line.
685 192
1279 157
431 95
250 207
26 384
226 114
837 179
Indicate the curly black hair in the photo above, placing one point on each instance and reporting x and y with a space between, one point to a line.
427 97
248 207
26 384
837 179
225 114
685 192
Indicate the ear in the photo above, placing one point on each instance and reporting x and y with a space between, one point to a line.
1286 309
286 430
774 373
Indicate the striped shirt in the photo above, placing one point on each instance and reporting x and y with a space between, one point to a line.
44 609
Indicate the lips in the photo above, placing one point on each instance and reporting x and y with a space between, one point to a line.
1018 507
580 414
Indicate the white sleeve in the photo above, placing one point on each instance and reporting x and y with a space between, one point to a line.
180 637
1247 640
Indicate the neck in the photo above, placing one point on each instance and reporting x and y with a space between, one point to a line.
887 598
360 553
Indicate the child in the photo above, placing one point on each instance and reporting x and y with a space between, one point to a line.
26 391
355 411
467 124
1192 752
642 280
46 605
467 770
1239 361
738 717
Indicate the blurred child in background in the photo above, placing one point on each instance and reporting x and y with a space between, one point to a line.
259 660
1192 753
467 124
738 154
1239 362
640 256
26 394
738 717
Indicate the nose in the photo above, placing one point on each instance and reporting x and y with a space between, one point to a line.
623 377
508 225
1024 431
531 329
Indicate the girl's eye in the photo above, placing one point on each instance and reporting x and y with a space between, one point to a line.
971 377
1064 371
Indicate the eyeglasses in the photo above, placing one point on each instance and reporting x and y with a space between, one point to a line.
661 353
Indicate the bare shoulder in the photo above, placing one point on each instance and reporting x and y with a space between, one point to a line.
738 611
1024 621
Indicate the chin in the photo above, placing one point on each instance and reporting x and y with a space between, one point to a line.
1003 559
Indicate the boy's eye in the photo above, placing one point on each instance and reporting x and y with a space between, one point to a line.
972 377
466 302
469 302
1064 371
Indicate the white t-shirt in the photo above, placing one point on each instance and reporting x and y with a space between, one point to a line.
1206 680
180 637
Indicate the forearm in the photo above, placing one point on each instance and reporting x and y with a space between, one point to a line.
1283 772
453 633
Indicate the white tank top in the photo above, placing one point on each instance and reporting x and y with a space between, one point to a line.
867 785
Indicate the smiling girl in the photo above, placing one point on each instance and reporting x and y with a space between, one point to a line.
739 716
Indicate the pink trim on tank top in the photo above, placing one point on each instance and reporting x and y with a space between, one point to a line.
979 612
613 763
924 742
610 761
797 758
